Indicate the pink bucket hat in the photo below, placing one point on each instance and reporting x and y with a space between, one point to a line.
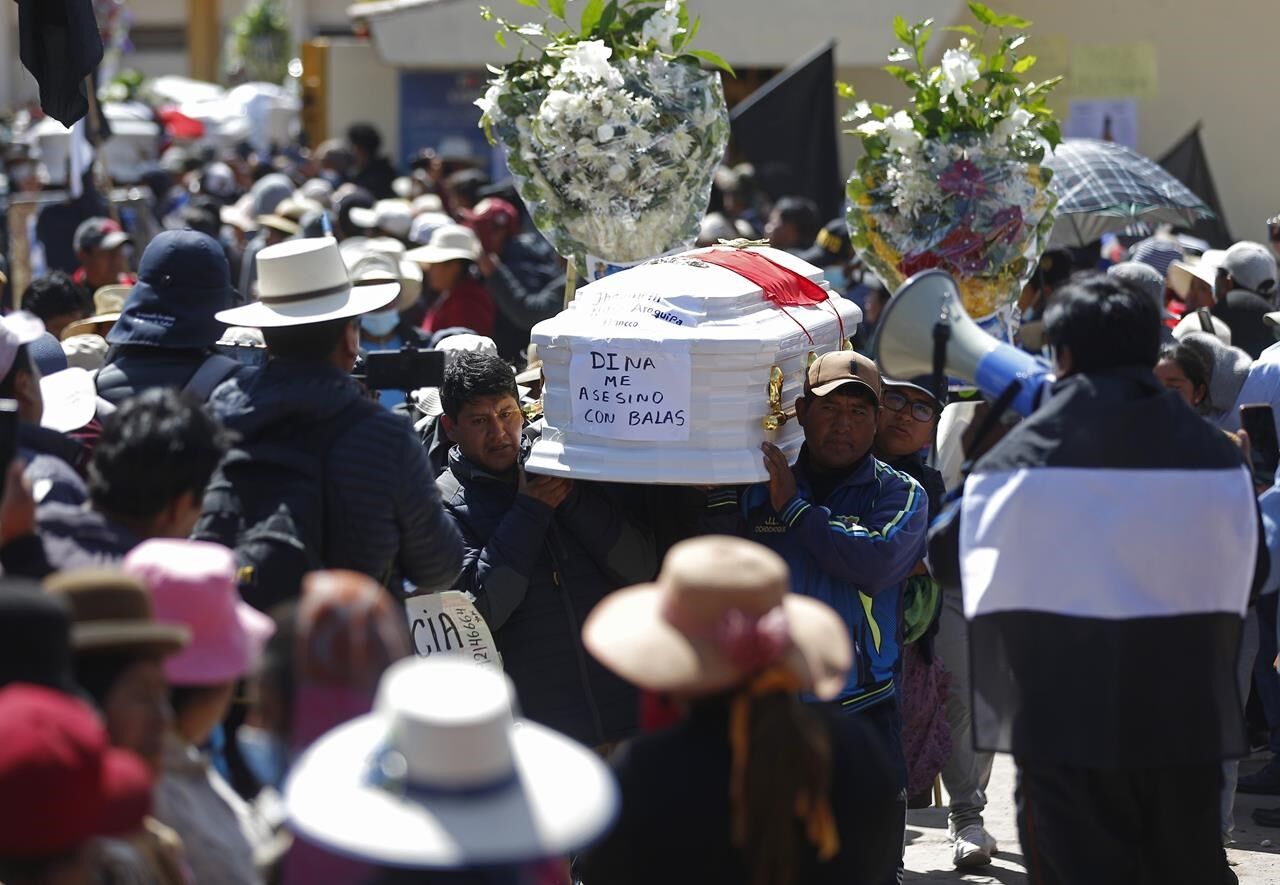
194 583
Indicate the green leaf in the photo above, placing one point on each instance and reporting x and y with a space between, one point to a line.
982 13
500 38
609 15
591 16
846 90
1011 21
712 59
898 72
1052 132
901 29
692 32
556 7
530 3
967 30
1024 64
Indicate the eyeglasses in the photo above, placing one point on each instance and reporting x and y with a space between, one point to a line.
896 402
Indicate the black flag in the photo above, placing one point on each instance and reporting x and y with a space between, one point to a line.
787 130
60 45
1186 161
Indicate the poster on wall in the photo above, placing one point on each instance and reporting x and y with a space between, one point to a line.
1108 119
437 110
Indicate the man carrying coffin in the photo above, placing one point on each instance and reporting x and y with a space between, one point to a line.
540 552
1105 646
851 529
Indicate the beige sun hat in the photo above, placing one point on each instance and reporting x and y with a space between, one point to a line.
1181 273
304 281
108 303
449 242
720 611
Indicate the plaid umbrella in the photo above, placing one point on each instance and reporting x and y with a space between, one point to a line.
1104 187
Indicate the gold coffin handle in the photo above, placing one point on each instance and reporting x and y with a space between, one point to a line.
777 414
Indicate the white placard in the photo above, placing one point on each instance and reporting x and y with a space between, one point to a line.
448 624
632 390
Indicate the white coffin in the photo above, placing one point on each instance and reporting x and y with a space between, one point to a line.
661 373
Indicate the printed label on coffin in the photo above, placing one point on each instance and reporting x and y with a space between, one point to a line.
448 624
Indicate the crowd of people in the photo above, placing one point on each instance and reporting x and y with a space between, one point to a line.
214 515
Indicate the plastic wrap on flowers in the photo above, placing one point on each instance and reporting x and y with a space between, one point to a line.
975 213
615 161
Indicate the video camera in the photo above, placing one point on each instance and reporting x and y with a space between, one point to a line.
408 368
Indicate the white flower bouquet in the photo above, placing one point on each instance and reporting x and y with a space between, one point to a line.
956 181
613 131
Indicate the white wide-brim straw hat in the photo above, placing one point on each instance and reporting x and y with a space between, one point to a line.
449 242
666 636
442 776
304 281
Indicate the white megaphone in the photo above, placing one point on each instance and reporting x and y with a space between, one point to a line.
925 314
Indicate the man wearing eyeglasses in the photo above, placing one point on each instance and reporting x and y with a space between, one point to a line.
907 426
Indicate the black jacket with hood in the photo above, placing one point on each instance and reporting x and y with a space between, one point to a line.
384 517
536 573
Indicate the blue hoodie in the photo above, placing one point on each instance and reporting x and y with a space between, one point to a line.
852 551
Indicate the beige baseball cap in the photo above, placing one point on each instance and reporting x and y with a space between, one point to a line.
833 370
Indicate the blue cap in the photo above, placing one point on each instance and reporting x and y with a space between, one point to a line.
183 280
47 354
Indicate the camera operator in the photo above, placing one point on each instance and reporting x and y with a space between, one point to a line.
382 514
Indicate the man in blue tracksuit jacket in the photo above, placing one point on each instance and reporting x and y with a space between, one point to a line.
851 528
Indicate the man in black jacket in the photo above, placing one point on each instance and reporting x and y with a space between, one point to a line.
382 513
541 551
1104 646
166 332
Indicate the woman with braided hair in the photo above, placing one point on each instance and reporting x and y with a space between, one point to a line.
750 786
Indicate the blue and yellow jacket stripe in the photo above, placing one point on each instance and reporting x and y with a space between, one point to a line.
852 551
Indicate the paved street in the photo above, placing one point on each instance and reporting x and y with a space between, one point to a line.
929 853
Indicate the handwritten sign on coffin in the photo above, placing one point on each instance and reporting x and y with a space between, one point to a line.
632 390
448 624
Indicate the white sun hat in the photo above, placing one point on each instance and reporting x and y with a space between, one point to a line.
448 242
70 399
441 775
392 217
304 281
407 273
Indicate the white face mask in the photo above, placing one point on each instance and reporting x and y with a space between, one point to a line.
380 325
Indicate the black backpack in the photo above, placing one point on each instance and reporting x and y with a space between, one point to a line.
267 502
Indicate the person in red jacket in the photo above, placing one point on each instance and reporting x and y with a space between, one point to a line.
447 262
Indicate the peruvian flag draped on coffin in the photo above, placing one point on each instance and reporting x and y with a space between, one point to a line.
1107 550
